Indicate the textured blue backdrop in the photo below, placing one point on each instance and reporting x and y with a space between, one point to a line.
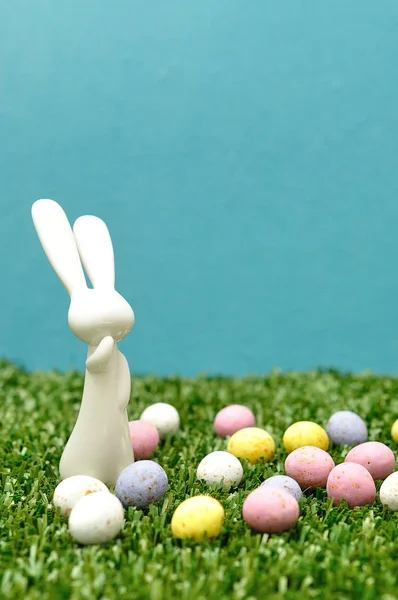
244 156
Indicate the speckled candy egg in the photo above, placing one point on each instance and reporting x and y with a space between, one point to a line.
351 482
140 484
220 468
253 444
144 437
232 418
72 489
305 433
270 510
164 416
198 517
283 482
389 492
346 427
394 431
96 519
376 457
309 466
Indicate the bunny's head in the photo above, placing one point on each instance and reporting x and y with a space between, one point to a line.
94 312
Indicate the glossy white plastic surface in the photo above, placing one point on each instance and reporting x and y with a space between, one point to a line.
100 444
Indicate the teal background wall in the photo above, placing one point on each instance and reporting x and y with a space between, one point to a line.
245 158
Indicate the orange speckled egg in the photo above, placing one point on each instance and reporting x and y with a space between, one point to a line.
353 483
376 457
309 466
270 510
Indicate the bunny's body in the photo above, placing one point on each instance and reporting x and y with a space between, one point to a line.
100 444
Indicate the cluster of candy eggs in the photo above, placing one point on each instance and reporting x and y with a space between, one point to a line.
274 506
353 481
203 516
95 514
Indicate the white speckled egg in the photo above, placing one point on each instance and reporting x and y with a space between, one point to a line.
220 468
72 489
96 519
389 492
164 416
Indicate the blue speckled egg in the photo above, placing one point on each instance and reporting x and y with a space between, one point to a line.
284 482
141 484
346 427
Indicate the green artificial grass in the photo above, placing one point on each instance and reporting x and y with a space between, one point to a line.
332 552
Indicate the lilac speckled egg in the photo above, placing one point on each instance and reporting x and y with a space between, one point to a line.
141 484
346 427
309 466
285 483
232 418
270 510
144 437
376 457
351 482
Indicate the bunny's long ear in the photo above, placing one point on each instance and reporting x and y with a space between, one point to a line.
56 237
96 251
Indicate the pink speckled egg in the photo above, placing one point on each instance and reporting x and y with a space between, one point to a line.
270 510
145 439
232 418
309 466
376 457
351 482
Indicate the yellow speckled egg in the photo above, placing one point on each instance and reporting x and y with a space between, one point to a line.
252 443
394 432
198 517
305 433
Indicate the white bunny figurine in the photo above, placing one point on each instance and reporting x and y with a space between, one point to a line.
100 444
